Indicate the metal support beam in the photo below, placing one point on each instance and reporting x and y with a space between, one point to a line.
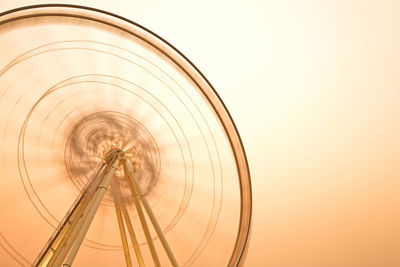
77 226
129 225
138 192
132 234
101 190
142 219
57 241
117 203
77 223
123 236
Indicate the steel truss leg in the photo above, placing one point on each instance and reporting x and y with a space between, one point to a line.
128 223
117 203
132 235
143 221
101 190
140 197
57 242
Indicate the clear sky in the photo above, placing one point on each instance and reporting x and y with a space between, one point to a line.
314 89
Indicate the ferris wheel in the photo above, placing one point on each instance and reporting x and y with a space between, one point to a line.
115 150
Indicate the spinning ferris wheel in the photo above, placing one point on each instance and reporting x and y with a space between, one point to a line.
115 149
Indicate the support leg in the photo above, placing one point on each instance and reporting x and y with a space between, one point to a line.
57 242
133 236
136 187
92 211
143 221
129 225
77 223
117 201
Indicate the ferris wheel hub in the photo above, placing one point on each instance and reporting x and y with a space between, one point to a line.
113 153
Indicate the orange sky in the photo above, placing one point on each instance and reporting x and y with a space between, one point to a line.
313 87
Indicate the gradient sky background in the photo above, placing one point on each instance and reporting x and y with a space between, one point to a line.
314 88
